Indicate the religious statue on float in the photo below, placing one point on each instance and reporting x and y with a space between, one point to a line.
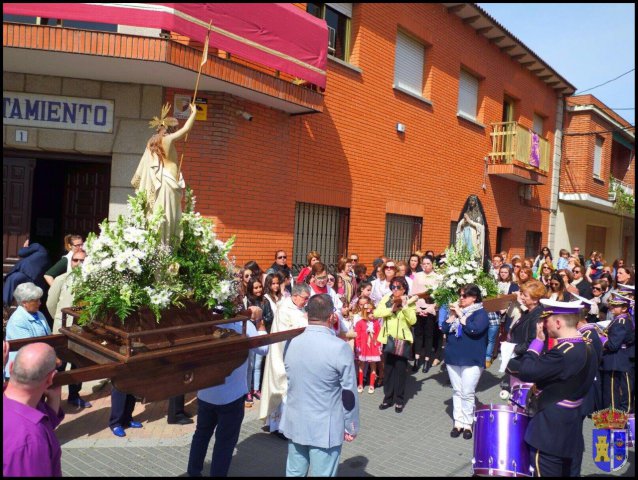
470 230
158 173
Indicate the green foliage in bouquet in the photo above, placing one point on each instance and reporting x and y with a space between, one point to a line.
459 270
127 267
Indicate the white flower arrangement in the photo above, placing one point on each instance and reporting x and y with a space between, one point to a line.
128 267
459 270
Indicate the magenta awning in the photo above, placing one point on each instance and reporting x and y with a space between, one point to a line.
277 35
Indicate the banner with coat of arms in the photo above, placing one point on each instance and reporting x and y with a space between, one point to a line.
609 439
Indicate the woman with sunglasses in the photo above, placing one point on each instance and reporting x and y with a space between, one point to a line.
398 312
280 265
381 285
598 308
541 257
466 330
557 290
545 273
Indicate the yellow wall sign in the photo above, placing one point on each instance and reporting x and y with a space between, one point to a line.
202 109
181 110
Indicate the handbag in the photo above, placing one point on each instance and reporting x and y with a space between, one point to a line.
395 346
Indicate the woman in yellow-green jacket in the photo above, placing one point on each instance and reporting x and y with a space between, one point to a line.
398 312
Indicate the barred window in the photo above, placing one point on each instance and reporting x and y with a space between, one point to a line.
322 228
532 243
402 236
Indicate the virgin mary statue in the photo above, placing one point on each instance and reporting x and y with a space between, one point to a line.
471 228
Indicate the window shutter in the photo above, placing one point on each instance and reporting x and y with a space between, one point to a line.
598 153
344 8
468 94
408 69
538 125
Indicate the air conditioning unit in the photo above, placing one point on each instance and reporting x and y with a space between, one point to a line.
611 196
332 40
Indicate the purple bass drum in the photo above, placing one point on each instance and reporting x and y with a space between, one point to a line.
499 442
631 430
518 398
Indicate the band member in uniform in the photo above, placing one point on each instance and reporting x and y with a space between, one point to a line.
616 365
562 377
593 335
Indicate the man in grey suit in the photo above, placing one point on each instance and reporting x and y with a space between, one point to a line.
322 408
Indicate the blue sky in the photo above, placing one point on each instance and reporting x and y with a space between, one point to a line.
587 43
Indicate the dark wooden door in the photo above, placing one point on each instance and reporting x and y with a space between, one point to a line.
17 187
86 197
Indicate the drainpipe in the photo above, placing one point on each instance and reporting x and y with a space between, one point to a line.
556 161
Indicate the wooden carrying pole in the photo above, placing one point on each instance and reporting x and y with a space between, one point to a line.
199 74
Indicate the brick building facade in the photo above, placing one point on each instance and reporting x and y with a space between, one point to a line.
350 167
599 145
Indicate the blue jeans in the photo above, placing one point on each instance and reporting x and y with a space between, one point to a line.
322 462
492 333
227 419
254 370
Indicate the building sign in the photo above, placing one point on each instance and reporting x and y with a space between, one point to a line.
51 111
182 110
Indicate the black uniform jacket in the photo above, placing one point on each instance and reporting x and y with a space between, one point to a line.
556 429
620 344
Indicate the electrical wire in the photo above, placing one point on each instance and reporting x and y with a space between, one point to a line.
608 81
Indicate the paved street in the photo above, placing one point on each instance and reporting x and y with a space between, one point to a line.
414 443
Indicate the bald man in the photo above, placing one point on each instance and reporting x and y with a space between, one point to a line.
31 411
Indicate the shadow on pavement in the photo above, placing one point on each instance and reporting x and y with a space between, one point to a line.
89 423
488 380
354 467
259 455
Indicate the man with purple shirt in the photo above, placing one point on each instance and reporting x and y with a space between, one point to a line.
31 411
562 378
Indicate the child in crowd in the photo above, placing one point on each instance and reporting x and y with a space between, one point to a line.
367 347
255 298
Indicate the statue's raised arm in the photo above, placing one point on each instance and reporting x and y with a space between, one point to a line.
158 175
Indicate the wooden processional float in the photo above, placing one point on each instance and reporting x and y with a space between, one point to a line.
187 351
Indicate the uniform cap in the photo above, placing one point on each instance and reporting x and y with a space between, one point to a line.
554 307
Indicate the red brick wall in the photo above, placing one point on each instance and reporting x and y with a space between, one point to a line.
578 150
248 175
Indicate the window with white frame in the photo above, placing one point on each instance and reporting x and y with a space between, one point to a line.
337 17
538 125
598 155
468 95
408 64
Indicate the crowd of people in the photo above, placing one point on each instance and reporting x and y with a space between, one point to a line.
385 326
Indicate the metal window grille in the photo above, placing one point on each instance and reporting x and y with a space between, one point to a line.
321 228
402 236
453 225
532 243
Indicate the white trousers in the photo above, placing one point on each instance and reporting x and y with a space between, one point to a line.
464 381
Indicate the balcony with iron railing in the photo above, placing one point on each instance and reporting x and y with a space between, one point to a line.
518 154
